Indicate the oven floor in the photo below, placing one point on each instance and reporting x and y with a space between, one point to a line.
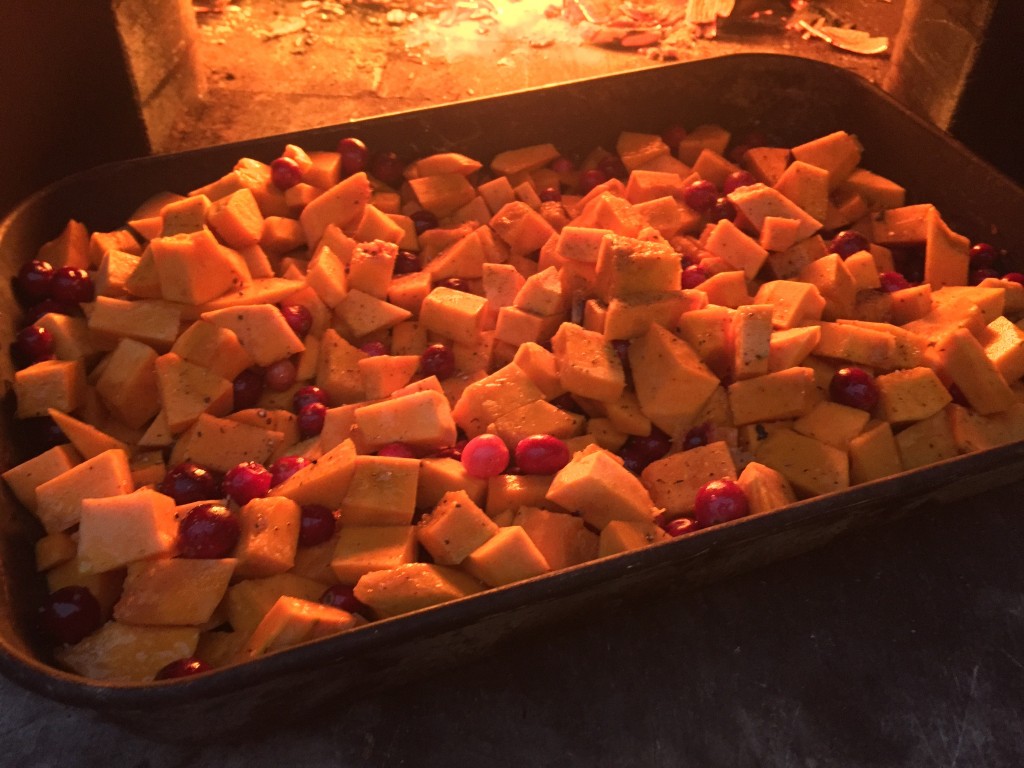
282 65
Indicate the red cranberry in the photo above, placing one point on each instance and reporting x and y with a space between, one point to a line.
389 168
541 455
485 456
719 501
693 276
317 525
848 242
613 168
183 668
680 526
51 306
188 482
33 280
280 376
298 317
698 436
208 531
977 275
354 155
72 284
893 281
285 173
285 467
737 179
700 195
590 179
311 419
33 345
423 221
310 393
1016 277
248 388
984 256
854 387
562 165
437 360
70 614
638 452
342 596
397 451
406 262
672 136
374 348
550 195
723 209
245 482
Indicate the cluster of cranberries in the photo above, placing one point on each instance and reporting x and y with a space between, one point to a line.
41 289
286 172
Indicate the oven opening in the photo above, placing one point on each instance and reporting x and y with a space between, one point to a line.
214 71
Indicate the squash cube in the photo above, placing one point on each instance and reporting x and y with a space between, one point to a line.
673 481
598 488
362 549
506 557
119 652
412 586
173 591
454 529
382 492
59 500
811 466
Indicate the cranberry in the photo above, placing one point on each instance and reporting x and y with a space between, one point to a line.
541 455
33 345
397 451
208 531
672 136
680 526
70 614
317 525
848 242
310 393
354 155
343 597
51 306
854 387
698 436
72 284
285 173
389 168
437 360
298 317
423 221
613 168
248 388
722 209
245 482
984 256
183 668
456 284
1016 277
406 262
562 165
33 280
550 195
638 452
285 467
485 456
590 179
280 376
737 179
719 501
893 281
373 348
693 276
311 419
700 195
188 482
977 275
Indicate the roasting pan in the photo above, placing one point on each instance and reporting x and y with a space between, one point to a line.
789 100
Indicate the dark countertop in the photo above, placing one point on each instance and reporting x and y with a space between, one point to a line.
900 645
